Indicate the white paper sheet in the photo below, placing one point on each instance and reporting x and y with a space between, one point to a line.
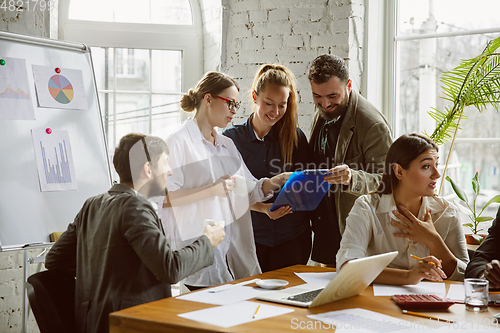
427 288
364 321
235 314
321 279
230 296
15 95
54 160
456 292
62 90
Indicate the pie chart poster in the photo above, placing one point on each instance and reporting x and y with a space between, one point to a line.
61 89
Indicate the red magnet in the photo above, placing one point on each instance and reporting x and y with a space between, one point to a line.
48 130
58 70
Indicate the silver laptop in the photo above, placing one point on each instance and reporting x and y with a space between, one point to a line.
352 279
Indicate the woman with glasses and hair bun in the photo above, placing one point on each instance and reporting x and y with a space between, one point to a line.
204 165
271 142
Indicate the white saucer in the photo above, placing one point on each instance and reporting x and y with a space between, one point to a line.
272 284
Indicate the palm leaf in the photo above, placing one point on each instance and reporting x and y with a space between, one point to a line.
474 82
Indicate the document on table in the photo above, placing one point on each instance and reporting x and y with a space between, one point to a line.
423 288
456 292
231 295
235 314
321 279
364 321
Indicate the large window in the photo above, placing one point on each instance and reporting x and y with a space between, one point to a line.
145 54
133 11
139 90
432 37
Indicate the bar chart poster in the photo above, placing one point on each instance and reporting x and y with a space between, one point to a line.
54 160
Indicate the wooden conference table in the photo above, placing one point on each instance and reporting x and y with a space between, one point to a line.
161 316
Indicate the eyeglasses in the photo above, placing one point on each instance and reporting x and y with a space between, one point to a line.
231 105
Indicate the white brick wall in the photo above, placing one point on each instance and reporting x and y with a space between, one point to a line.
11 291
293 33
33 23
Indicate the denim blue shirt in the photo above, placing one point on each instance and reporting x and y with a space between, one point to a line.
263 159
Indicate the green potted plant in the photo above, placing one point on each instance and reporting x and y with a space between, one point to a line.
476 237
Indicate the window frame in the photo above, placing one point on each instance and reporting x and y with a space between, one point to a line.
382 84
390 53
381 55
184 38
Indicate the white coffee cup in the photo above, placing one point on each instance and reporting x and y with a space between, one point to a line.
243 186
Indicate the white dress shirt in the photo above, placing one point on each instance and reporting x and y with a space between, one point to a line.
368 232
196 162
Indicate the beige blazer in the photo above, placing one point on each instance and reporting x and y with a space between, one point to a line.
362 144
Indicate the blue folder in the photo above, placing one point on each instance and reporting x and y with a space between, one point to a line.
303 190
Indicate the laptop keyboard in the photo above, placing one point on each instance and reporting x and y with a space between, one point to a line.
305 297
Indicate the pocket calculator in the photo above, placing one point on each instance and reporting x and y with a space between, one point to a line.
422 302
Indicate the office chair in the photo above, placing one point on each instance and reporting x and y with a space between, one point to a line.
52 298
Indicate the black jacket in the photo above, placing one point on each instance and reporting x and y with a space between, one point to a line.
117 249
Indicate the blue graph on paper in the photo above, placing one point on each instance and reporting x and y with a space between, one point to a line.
59 171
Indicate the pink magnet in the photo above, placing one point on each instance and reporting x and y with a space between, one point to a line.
58 70
48 130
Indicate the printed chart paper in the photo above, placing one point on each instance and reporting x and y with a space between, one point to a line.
363 321
15 98
54 160
366 321
63 90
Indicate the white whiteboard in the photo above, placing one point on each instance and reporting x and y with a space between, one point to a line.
28 215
